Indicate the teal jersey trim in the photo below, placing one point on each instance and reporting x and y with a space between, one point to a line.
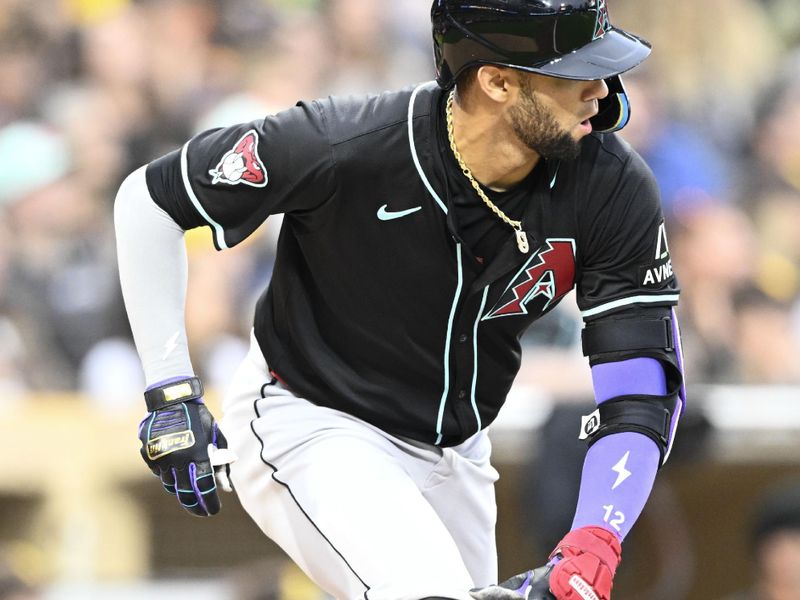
446 390
475 359
422 175
665 298
219 232
555 176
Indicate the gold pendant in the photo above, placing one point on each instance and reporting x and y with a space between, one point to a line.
522 241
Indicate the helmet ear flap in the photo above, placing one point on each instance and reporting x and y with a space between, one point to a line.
614 109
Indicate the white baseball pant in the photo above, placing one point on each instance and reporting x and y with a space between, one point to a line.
365 514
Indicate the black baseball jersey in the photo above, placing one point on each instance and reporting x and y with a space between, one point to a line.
397 296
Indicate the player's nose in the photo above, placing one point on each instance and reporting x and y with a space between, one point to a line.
595 90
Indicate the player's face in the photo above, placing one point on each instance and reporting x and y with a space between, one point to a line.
552 115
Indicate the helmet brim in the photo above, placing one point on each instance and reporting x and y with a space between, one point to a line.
616 52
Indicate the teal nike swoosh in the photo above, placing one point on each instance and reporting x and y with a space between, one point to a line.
385 215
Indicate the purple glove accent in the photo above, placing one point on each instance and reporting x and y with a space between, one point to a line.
521 589
554 561
626 377
167 421
166 381
197 492
618 475
143 422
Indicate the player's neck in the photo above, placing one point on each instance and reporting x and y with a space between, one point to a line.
491 149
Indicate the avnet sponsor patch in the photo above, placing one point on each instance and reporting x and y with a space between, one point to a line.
656 273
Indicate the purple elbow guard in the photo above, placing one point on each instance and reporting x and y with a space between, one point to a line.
638 395
676 336
640 401
633 377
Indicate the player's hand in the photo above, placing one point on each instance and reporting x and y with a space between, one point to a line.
582 567
182 445
584 563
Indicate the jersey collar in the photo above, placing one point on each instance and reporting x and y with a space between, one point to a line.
423 118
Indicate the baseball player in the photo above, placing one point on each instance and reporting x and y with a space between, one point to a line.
425 229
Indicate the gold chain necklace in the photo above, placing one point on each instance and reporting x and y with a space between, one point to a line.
522 238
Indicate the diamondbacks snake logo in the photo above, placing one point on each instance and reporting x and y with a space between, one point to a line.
603 23
241 164
549 274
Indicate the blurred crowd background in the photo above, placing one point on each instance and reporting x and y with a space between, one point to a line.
92 89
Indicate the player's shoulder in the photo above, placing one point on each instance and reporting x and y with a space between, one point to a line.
608 154
607 167
610 178
355 116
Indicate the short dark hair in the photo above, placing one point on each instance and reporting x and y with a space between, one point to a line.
466 79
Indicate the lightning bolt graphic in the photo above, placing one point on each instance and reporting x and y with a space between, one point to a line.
622 472
170 345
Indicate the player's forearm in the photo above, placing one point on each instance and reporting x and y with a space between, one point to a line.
620 469
618 476
153 274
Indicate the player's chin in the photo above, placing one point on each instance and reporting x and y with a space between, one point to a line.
568 148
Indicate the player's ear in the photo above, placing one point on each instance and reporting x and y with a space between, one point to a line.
497 83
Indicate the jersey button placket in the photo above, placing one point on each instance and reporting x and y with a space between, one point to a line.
464 362
464 366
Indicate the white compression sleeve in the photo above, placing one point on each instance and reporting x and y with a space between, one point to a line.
153 269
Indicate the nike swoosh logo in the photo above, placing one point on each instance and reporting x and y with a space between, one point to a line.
385 215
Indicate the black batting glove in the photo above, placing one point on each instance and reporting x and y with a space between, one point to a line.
531 585
183 446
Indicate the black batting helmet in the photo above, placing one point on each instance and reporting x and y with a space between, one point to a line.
570 39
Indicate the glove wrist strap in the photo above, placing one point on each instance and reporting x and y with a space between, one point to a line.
174 392
596 540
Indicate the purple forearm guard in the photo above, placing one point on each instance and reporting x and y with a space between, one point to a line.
619 469
618 475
